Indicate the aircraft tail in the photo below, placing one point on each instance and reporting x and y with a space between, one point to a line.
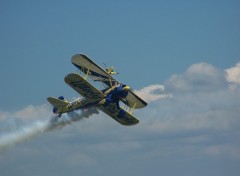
57 103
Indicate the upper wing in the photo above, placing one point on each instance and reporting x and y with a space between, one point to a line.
134 101
83 87
127 119
86 65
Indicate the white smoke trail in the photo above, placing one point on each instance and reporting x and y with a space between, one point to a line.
28 132
22 135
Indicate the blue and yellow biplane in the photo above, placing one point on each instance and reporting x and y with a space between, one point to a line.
106 99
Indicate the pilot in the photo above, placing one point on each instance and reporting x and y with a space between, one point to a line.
115 95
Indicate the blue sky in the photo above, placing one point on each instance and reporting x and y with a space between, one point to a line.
182 47
151 40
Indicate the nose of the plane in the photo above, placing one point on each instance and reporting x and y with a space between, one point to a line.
126 88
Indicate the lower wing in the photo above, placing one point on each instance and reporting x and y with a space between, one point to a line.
124 119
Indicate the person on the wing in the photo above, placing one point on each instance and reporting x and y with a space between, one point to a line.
115 95
110 71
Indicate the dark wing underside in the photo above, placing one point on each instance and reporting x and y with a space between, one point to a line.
127 119
83 87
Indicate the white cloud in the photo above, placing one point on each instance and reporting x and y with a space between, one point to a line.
201 100
34 112
233 74
202 103
201 77
153 93
192 115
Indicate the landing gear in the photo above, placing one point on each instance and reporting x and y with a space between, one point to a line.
55 110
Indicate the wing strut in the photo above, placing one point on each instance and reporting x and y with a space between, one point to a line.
133 108
86 75
110 81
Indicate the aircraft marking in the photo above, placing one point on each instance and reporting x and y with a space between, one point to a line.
86 88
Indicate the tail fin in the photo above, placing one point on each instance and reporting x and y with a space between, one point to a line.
57 103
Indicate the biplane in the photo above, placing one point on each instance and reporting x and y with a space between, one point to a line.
106 99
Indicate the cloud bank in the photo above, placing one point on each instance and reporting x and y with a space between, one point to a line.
200 105
233 74
192 117
153 93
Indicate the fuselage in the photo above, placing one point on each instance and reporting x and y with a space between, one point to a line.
112 95
80 103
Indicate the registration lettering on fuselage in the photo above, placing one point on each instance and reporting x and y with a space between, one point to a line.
87 90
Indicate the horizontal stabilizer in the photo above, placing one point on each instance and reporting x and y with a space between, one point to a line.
57 103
